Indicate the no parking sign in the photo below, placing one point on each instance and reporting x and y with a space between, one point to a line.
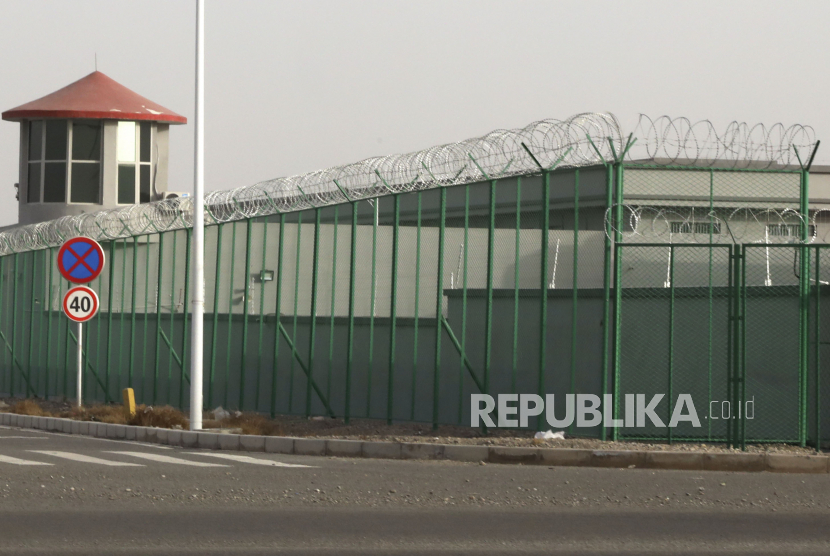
80 260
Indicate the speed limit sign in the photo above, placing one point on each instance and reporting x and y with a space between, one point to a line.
80 304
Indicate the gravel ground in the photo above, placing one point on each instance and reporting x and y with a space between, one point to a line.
378 430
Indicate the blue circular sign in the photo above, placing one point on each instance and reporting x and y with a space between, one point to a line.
80 260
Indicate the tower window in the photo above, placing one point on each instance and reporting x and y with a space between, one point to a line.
134 162
64 162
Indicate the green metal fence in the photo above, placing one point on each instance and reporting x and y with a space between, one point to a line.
400 307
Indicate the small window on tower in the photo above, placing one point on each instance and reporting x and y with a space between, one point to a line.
126 184
55 140
35 140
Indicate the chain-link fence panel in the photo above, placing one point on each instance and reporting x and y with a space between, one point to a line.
772 364
675 340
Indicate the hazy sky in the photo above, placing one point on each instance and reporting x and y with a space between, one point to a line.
297 86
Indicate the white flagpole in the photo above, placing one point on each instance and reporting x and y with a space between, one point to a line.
197 338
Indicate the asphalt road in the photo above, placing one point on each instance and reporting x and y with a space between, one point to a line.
78 495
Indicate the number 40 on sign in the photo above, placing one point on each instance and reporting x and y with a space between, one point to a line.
80 304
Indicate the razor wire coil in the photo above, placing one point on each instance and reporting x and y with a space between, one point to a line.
582 140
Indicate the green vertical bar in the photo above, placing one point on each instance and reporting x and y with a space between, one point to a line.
32 319
711 293
5 380
731 344
132 316
48 300
66 355
230 313
543 301
109 317
463 355
333 299
575 285
439 309
188 233
618 223
294 324
312 332
671 337
606 288
5 377
246 300
369 368
350 347
44 350
417 308
804 276
158 318
121 315
146 315
488 326
173 262
393 310
516 258
261 313
215 331
742 384
277 312
817 384
14 323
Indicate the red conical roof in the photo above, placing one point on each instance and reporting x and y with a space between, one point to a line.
98 97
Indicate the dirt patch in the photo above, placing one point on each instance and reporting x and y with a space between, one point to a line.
357 429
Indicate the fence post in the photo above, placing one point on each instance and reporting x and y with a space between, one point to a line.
543 285
439 308
575 288
14 323
606 287
417 308
32 321
516 277
214 332
47 299
132 317
671 337
109 317
261 313
278 308
313 330
188 233
350 347
817 384
230 316
393 309
245 302
158 317
617 264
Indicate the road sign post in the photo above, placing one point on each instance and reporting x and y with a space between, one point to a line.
80 260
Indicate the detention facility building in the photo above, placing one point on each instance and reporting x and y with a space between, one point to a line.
568 256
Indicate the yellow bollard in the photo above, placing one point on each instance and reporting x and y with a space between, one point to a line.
129 403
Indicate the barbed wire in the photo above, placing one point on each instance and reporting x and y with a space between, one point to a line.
678 141
651 224
582 140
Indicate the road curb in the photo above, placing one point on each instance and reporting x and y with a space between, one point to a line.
552 457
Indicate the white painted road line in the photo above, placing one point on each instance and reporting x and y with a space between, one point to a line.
247 459
168 459
15 461
86 459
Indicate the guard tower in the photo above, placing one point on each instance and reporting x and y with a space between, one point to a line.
90 146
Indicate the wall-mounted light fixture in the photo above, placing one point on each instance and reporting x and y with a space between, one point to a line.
266 275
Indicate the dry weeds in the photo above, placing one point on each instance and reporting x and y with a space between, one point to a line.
27 407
